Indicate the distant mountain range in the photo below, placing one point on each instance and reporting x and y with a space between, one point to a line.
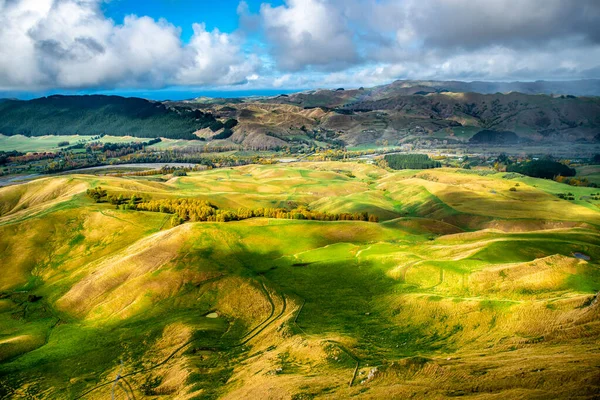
587 87
401 112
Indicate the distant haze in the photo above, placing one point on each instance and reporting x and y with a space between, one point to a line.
584 87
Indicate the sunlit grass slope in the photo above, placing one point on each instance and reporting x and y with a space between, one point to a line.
464 288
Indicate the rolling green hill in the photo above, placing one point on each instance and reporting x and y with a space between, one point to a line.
96 114
464 287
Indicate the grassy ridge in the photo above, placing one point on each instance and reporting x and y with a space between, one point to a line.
459 291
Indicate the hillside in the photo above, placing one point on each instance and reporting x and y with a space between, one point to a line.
96 114
354 117
584 87
470 283
403 112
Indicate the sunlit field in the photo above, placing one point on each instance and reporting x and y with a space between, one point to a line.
50 143
463 287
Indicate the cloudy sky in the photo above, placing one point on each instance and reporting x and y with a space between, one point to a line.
124 46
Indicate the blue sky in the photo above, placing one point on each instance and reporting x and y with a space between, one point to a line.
185 48
220 14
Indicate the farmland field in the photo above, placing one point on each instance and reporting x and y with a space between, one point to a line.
468 285
50 142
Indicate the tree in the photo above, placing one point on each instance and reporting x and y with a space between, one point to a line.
97 194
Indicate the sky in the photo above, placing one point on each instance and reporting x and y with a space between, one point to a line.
186 48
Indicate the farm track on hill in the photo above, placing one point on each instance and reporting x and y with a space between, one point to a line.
349 354
268 321
270 300
335 342
263 325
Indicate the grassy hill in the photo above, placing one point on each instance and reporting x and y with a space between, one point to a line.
95 115
464 287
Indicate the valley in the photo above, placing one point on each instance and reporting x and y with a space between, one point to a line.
299 200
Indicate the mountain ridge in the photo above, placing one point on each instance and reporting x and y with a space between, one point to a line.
396 113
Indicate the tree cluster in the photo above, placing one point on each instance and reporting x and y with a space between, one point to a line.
200 210
113 147
6 156
411 161
574 181
97 194
544 168
226 134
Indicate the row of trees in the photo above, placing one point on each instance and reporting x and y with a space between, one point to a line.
65 161
574 181
411 161
165 170
196 210
114 147
200 210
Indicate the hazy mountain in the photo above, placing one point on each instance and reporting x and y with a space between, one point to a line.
587 87
394 112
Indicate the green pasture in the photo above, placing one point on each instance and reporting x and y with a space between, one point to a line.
50 143
442 277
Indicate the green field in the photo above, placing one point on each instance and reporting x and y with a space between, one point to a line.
464 288
50 143
590 172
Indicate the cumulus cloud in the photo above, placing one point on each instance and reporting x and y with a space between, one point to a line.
443 39
309 33
523 23
215 58
71 44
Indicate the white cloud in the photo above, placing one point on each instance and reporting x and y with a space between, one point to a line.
523 23
214 58
71 44
436 39
308 33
